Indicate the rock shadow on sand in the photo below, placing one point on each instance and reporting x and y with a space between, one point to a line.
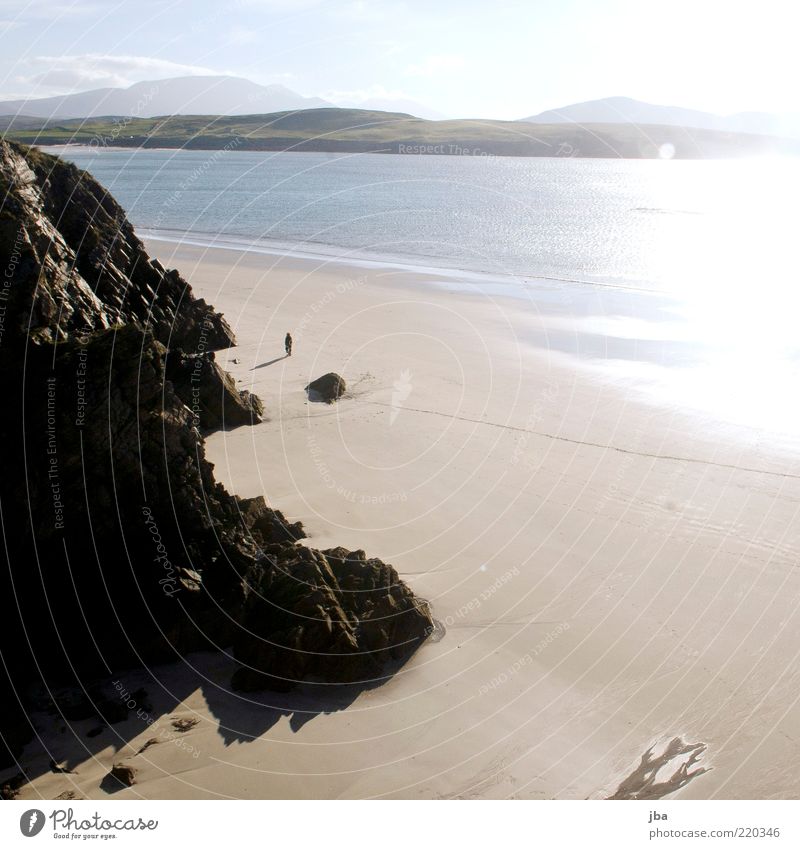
244 717
162 693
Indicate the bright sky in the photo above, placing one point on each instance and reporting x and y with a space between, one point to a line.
463 58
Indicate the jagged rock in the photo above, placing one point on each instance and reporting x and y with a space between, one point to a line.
334 616
142 700
57 221
110 508
328 388
267 525
124 774
73 704
112 711
185 723
117 479
15 726
12 786
211 393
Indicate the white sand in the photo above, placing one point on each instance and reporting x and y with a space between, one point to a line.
615 567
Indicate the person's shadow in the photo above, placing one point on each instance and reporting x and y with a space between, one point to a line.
270 363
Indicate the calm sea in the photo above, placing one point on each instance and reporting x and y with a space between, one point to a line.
665 225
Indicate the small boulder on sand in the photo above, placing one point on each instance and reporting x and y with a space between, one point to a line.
124 774
327 388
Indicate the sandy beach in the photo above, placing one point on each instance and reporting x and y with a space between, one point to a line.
603 528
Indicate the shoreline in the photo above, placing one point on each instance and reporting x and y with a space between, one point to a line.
511 281
598 598
541 141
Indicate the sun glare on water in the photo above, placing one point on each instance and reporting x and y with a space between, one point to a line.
730 258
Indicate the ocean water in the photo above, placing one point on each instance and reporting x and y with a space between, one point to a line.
679 279
723 226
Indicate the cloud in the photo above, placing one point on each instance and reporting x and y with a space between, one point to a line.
443 63
63 74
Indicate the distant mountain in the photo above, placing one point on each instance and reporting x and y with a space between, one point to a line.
626 110
176 96
19 122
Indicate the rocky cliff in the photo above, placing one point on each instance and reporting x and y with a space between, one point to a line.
120 547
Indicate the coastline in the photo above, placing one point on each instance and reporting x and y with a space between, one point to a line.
513 284
600 561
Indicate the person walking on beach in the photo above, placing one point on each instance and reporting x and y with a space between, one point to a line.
287 343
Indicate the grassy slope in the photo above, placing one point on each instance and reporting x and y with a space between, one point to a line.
341 130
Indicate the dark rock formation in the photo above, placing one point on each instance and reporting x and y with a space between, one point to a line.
124 774
328 388
121 548
60 769
332 615
185 723
211 393
69 795
267 525
11 787
62 230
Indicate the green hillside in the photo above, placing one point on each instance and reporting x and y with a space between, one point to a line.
357 130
